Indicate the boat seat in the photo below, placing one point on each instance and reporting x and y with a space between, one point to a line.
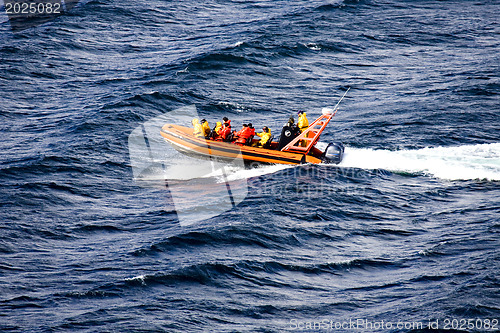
249 141
288 133
267 145
230 137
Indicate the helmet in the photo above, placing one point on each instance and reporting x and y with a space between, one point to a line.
250 125
300 112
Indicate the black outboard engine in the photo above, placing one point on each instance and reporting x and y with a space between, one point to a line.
334 153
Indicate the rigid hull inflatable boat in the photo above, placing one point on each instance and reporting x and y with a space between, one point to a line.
301 149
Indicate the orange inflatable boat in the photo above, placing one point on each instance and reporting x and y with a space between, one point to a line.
301 149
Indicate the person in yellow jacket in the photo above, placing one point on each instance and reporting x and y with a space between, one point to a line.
197 128
264 137
215 133
302 123
218 126
205 127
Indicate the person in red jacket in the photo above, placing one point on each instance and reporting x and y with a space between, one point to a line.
225 132
243 135
251 133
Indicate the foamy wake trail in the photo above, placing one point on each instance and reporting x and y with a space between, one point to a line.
236 173
262 170
480 161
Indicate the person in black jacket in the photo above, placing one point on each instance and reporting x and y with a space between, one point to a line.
289 132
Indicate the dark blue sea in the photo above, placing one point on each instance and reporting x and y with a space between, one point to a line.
104 227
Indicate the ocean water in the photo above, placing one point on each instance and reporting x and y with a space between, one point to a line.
402 236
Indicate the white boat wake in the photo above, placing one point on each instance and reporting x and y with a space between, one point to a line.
481 161
467 162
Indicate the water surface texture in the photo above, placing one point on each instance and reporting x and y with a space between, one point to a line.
405 230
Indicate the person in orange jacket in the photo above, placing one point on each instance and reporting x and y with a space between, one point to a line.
225 132
243 135
251 130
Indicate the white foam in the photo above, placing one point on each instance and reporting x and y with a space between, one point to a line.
237 174
140 279
480 161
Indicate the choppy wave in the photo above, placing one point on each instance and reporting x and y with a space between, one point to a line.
392 233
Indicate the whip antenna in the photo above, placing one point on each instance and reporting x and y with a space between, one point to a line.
337 106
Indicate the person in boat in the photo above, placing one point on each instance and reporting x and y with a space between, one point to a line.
197 128
302 123
293 127
225 132
243 136
265 136
289 132
218 127
251 133
215 133
206 128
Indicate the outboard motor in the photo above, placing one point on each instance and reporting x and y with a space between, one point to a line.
334 153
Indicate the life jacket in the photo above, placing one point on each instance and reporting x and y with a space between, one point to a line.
264 137
225 132
245 132
197 128
244 135
303 123
218 127
206 128
240 141
215 132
